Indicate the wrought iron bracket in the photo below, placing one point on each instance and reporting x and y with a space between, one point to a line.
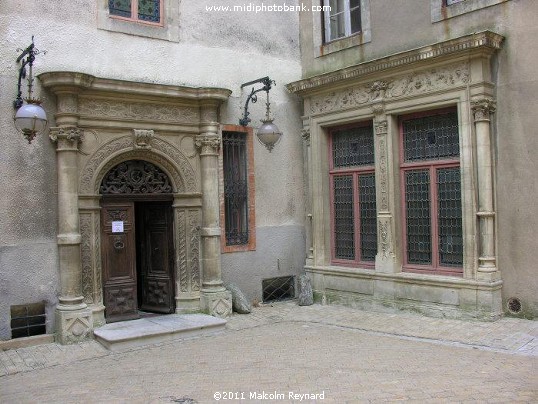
267 84
29 53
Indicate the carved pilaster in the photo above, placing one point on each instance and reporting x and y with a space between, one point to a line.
482 110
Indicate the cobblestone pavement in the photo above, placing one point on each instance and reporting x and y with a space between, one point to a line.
340 354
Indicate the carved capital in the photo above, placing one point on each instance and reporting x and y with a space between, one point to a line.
208 144
142 138
380 127
66 137
482 109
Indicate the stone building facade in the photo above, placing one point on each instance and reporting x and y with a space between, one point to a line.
417 128
138 102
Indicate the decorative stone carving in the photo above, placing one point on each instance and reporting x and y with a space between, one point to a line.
67 103
142 138
208 143
73 326
70 134
386 242
383 174
240 303
86 233
181 251
482 109
194 253
162 154
306 296
420 82
305 134
137 110
135 177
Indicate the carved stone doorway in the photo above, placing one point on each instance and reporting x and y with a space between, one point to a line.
137 246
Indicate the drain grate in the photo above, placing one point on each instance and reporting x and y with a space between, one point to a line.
281 288
28 320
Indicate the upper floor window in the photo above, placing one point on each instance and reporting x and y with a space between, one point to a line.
145 11
342 18
353 210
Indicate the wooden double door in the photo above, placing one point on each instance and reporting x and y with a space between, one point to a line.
137 257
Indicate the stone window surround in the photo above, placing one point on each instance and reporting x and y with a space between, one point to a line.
251 245
134 7
169 30
360 38
454 73
440 12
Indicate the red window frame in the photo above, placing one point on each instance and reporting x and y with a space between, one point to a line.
134 15
355 171
432 166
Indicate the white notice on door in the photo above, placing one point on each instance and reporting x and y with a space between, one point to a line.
117 227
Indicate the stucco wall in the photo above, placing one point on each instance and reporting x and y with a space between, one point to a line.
220 49
398 26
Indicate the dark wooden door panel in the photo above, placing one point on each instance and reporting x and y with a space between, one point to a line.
119 261
155 257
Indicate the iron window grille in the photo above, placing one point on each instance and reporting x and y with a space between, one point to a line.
281 288
353 200
28 320
342 18
430 170
234 160
143 11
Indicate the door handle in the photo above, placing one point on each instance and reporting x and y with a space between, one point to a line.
119 245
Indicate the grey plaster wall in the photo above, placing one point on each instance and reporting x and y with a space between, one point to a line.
400 25
280 251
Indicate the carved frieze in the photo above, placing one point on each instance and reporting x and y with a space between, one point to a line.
419 82
100 108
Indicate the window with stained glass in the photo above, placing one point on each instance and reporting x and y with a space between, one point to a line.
342 18
432 193
354 229
145 11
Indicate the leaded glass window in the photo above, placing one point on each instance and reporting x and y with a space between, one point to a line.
354 224
234 159
147 11
432 193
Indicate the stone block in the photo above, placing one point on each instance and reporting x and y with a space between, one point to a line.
240 303
306 296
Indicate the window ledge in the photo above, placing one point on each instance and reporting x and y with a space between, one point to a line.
344 43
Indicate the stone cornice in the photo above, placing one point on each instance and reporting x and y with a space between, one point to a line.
483 41
85 83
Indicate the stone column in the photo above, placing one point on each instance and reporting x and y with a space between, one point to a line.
214 299
385 258
73 318
307 155
487 262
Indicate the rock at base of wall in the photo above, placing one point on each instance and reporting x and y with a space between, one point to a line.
306 297
240 303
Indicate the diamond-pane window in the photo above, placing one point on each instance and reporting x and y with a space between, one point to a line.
432 193
354 215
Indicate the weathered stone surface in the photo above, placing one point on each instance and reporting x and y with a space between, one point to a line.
306 297
240 303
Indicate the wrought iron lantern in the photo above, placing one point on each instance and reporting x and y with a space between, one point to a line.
268 134
30 118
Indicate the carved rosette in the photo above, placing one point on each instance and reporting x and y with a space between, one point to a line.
482 109
208 144
142 138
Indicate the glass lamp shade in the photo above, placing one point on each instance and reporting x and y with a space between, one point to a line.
31 119
268 134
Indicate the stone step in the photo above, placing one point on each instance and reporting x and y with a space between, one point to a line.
151 330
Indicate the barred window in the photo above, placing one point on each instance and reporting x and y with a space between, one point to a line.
145 11
432 193
353 211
